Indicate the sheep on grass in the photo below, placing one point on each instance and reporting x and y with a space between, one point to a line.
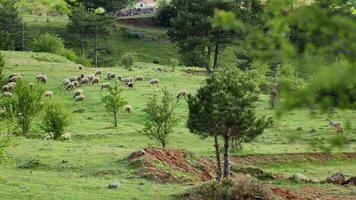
154 82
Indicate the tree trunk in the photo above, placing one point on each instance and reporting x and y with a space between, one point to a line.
115 119
23 37
216 52
163 144
96 48
226 157
218 159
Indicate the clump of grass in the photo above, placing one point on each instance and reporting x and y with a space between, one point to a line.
30 164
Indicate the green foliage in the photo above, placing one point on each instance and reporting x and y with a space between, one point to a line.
10 26
114 101
48 43
83 61
161 117
88 29
30 164
25 105
192 31
128 59
55 118
110 6
43 7
174 63
69 54
165 13
240 187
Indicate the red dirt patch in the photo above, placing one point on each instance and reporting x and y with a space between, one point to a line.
173 165
307 157
287 194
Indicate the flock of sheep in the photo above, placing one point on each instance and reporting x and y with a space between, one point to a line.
75 82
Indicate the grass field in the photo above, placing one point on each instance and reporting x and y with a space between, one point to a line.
83 168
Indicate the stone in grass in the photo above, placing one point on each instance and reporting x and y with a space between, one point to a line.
114 185
337 178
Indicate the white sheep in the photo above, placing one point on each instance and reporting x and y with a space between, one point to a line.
128 109
96 80
66 82
75 83
182 93
336 125
154 82
48 93
105 85
127 79
78 92
73 78
111 75
67 136
79 98
70 86
80 67
7 94
5 88
84 80
41 78
139 78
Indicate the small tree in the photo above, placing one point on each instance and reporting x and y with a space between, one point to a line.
113 101
55 119
25 105
128 59
224 107
160 117
174 63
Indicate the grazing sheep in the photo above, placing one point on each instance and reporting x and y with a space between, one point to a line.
14 74
80 67
118 77
90 76
105 85
41 78
11 87
182 93
139 78
75 83
79 98
12 83
73 78
7 94
96 80
336 125
5 88
154 82
67 136
70 86
14 78
98 73
84 80
128 109
130 84
111 75
48 93
127 79
78 92
66 82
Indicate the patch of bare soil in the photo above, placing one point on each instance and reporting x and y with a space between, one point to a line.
172 165
307 157
287 194
317 193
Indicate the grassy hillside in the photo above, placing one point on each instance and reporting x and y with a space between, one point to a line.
83 168
154 45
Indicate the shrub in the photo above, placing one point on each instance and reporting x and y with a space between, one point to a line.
156 61
30 164
113 101
69 54
240 187
55 118
83 61
174 63
48 43
128 59
160 117
25 105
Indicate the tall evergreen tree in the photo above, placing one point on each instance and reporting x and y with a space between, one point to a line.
10 26
225 107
